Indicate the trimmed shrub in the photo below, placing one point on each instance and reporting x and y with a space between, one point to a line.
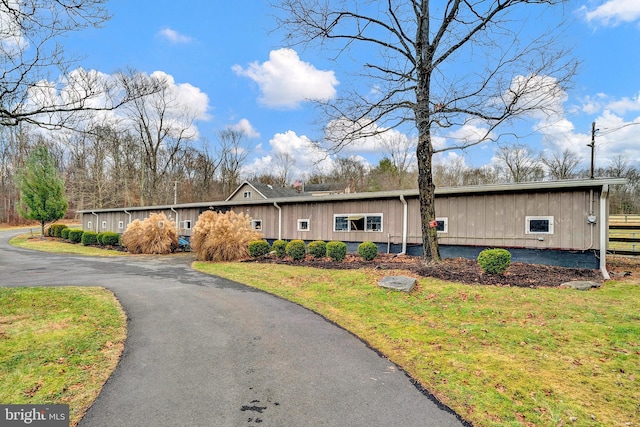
89 238
156 234
109 238
337 251
223 236
64 233
368 250
494 261
55 230
280 248
259 248
317 249
99 238
75 235
296 249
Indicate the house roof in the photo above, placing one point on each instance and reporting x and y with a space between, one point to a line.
534 187
267 191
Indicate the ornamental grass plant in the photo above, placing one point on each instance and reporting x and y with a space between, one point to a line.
154 235
223 236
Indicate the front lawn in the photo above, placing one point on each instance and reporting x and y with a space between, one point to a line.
61 247
58 345
498 356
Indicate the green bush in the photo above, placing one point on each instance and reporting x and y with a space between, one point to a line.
494 261
109 238
280 247
75 235
317 248
258 248
337 251
64 233
89 238
368 250
55 230
296 249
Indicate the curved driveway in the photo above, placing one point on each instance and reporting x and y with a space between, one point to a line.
205 351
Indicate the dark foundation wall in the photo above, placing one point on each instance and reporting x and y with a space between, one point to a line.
571 259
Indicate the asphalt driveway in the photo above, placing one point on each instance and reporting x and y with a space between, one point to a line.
205 351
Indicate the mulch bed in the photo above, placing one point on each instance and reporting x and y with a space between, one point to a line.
455 270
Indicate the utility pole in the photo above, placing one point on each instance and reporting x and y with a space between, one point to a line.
593 148
175 191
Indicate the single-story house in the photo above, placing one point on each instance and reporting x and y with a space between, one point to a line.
554 222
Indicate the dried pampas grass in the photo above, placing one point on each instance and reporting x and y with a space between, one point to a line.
222 237
154 235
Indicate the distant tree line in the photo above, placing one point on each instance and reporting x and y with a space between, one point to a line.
109 166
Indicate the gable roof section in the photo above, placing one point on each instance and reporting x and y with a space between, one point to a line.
266 191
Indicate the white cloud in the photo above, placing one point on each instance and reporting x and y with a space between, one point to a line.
613 12
625 105
186 96
285 81
464 135
173 36
616 136
247 128
307 156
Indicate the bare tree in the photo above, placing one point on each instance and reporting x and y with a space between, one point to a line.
351 173
283 164
232 155
561 166
15 144
30 52
164 127
401 151
519 163
414 46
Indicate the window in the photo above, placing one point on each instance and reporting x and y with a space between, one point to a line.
120 225
104 224
89 225
442 225
303 225
539 225
256 224
358 222
246 194
374 223
186 224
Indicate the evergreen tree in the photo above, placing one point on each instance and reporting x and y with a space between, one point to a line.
41 188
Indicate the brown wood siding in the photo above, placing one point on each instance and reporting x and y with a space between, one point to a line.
239 194
492 219
499 220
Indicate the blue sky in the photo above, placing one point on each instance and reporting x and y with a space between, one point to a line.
235 71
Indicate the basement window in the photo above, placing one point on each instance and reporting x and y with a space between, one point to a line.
120 225
256 224
442 225
538 225
104 225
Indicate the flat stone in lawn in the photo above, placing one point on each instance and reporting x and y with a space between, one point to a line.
581 285
399 283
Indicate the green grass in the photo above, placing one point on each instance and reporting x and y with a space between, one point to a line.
57 246
498 356
58 345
